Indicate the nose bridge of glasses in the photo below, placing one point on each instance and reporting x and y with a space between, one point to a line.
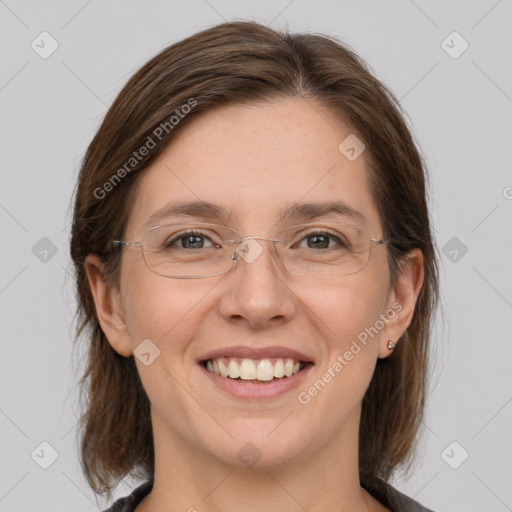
261 238
249 249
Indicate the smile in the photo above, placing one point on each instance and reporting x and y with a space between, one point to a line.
251 370
255 379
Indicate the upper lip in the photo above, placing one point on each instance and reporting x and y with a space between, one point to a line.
255 353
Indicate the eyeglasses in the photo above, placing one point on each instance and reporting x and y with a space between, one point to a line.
195 250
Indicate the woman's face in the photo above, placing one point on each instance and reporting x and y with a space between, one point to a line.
254 161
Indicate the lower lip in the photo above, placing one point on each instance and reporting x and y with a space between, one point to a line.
256 391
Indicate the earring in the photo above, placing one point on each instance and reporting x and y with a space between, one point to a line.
391 345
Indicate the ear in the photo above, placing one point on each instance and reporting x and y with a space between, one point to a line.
402 300
109 307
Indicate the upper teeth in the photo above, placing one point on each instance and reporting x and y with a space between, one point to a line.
249 369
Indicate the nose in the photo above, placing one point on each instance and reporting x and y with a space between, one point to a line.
257 291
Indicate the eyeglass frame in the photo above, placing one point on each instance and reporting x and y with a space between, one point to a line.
235 257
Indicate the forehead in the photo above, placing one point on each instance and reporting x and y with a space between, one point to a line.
256 162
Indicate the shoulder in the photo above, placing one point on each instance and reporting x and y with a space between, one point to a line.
129 503
393 499
407 504
380 490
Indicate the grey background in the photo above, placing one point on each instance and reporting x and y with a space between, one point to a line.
460 109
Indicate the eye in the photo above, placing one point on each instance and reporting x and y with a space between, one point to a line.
324 240
189 240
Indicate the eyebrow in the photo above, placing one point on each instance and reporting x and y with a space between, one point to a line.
204 210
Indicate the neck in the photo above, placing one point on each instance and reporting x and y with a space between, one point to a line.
323 477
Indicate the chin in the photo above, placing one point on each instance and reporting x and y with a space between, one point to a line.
256 450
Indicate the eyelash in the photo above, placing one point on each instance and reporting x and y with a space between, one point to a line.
170 243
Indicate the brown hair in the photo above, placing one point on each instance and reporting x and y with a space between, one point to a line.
228 64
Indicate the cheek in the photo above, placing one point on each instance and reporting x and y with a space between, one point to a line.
347 314
160 309
344 309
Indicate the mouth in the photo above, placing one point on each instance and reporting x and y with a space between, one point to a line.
256 371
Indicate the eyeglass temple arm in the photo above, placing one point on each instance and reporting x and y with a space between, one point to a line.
380 240
120 243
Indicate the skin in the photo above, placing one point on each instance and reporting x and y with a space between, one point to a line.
254 160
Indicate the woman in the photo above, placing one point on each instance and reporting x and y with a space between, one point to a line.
257 276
